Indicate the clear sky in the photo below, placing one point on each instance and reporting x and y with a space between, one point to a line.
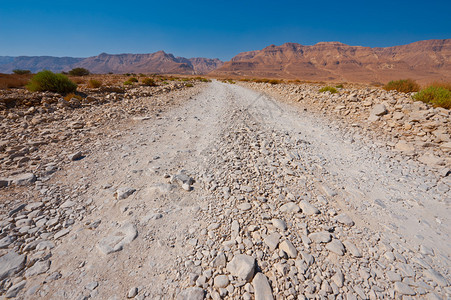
212 29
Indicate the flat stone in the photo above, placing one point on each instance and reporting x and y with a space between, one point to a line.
23 179
192 293
118 239
75 156
242 266
320 237
393 276
219 261
436 276
404 289
6 241
262 289
10 264
132 292
405 147
272 240
279 224
344 219
61 233
351 248
336 247
124 192
33 206
307 208
244 206
15 289
338 279
431 160
290 207
39 267
92 285
221 281
289 249
378 110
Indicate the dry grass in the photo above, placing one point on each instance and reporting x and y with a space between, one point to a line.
403 86
440 84
8 81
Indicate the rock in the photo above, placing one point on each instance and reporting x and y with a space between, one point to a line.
426 250
75 156
393 276
320 237
307 208
279 224
378 110
6 241
262 289
132 292
38 268
61 233
431 160
92 285
15 289
33 206
436 276
4 182
289 249
351 248
398 115
220 260
23 179
404 289
272 240
192 293
242 266
244 206
124 192
405 147
446 147
290 207
336 247
10 264
344 219
221 281
338 279
116 241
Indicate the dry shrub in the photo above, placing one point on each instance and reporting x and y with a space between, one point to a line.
436 96
68 97
94 84
403 86
13 81
440 84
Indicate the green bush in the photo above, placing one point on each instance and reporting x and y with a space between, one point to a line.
132 79
94 84
404 86
275 81
437 96
128 82
339 86
189 85
148 81
51 82
21 72
79 72
329 89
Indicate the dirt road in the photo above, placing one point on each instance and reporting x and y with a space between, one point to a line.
235 195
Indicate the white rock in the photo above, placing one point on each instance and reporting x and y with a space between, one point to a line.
242 266
116 241
290 207
262 289
10 264
124 192
221 281
320 237
344 219
336 247
192 293
289 249
404 289
307 208
279 224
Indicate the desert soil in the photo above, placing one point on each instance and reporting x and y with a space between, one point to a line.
233 195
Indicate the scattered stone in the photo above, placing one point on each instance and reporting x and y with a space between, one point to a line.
336 247
15 289
244 206
272 240
124 192
307 208
192 293
242 266
262 289
436 276
404 289
344 219
116 241
132 292
23 179
279 224
379 110
320 237
221 281
75 156
351 248
289 249
10 264
290 207
38 268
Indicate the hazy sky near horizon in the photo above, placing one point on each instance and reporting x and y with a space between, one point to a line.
212 29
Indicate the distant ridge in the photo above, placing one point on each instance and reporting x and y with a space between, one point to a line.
424 61
158 62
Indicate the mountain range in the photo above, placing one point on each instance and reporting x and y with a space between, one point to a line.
423 61
158 62
333 61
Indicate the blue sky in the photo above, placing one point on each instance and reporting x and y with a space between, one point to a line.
211 28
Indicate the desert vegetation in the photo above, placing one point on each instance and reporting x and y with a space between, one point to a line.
47 81
79 72
403 85
21 72
94 83
437 94
329 89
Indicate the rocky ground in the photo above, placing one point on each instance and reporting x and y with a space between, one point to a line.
218 191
